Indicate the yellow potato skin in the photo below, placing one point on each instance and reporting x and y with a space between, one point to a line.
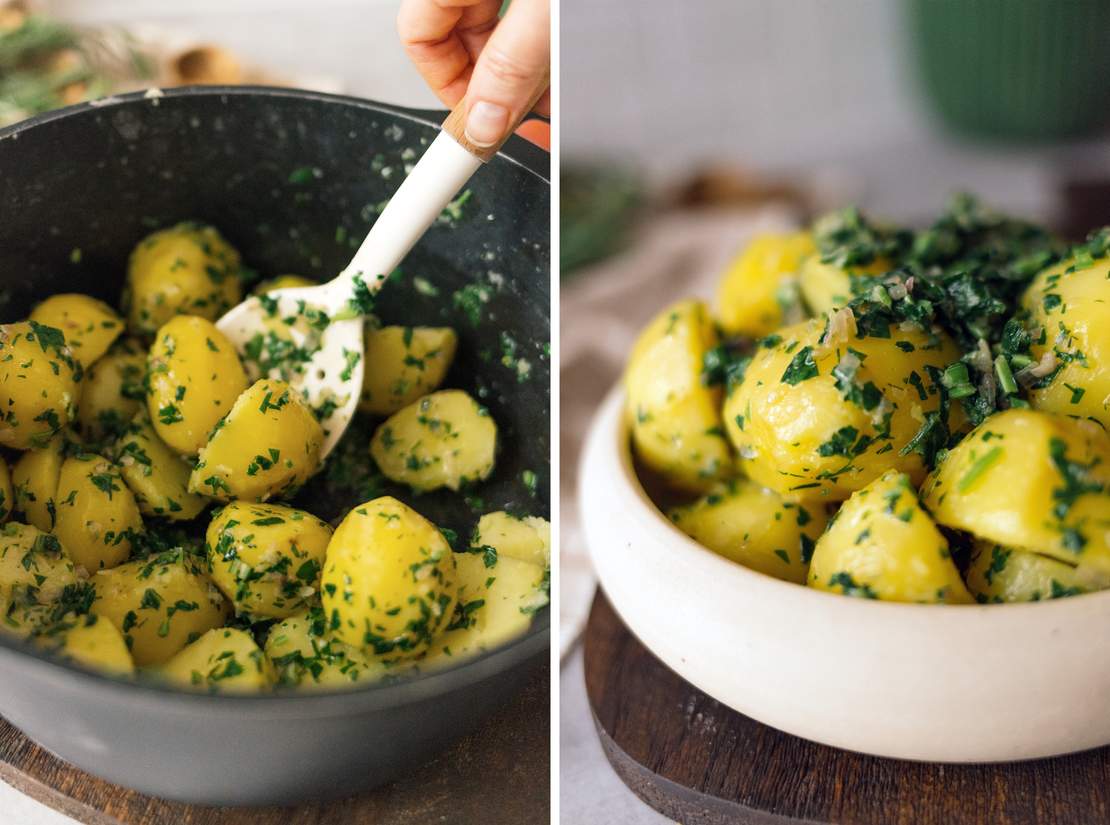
675 418
195 377
1077 302
755 527
883 545
305 655
159 604
826 287
188 269
266 558
90 641
282 282
498 596
223 660
1001 482
38 384
402 364
96 513
267 447
90 326
527 538
35 479
761 282
112 391
443 440
156 475
34 570
781 429
389 579
1002 574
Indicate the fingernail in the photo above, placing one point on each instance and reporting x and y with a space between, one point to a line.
486 123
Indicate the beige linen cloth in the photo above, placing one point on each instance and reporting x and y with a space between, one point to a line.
672 256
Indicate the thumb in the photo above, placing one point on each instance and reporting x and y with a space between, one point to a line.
511 73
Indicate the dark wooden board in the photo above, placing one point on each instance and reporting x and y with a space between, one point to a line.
499 775
701 763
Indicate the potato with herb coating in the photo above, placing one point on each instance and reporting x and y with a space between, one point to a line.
826 286
38 384
1070 304
755 527
445 439
527 538
195 376
35 480
759 292
34 570
188 269
223 660
821 412
267 447
156 475
267 558
883 545
7 495
1000 574
402 364
89 641
282 282
1030 480
160 604
389 579
90 326
97 516
304 654
112 391
676 418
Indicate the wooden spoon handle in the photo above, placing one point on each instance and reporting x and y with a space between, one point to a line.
455 125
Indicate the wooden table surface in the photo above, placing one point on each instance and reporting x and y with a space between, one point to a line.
499 775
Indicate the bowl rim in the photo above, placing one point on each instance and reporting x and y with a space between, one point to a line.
612 428
319 702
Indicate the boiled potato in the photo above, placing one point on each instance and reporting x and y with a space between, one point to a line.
676 420
38 384
97 517
1002 574
267 447
759 292
389 579
188 269
755 527
90 326
1030 480
223 660
824 418
88 640
112 391
402 364
195 377
527 538
498 596
282 282
159 604
1072 306
883 545
443 440
34 570
155 474
305 655
7 496
267 558
35 477
826 286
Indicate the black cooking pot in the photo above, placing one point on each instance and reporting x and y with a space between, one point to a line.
293 179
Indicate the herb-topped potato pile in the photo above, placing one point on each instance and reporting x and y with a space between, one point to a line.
909 415
155 521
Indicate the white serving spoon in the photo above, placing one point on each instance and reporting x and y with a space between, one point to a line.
312 337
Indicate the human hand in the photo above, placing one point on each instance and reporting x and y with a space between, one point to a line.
462 49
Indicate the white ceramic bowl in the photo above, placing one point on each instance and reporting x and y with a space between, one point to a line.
926 682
